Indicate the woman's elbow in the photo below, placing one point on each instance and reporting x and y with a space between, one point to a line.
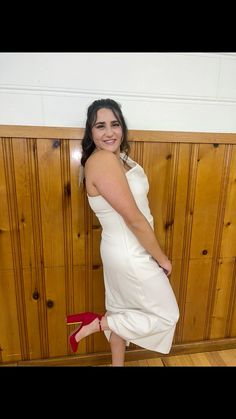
134 222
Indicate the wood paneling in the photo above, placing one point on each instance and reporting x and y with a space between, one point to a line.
50 262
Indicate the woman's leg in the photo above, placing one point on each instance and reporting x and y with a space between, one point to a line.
116 342
117 350
117 345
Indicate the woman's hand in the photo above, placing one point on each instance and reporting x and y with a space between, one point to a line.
166 266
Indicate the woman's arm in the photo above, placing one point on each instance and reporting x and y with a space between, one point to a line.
107 176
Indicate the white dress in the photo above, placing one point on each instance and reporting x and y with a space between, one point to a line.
140 303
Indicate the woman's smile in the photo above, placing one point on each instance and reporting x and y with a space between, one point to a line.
107 131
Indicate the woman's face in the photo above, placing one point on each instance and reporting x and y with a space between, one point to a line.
107 131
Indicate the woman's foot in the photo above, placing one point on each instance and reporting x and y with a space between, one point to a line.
88 329
98 324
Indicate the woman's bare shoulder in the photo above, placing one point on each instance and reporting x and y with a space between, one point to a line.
100 158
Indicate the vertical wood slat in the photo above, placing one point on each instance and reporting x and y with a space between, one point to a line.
57 251
184 270
223 300
171 199
38 285
6 259
178 238
207 195
137 152
89 295
51 190
67 224
228 244
77 203
218 238
15 245
230 329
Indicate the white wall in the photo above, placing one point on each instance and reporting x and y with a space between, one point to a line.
157 91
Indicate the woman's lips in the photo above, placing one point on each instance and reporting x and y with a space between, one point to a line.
110 142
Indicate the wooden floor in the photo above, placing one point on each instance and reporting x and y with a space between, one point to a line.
224 358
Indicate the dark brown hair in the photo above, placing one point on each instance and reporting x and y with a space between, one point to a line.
88 145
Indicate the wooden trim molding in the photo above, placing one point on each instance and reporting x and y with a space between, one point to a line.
27 131
24 131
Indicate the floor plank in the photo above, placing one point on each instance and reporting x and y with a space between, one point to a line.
133 363
155 362
224 358
229 357
178 360
200 360
205 359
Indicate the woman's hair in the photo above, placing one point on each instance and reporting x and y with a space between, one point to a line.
88 145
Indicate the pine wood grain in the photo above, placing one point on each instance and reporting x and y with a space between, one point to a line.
50 262
207 359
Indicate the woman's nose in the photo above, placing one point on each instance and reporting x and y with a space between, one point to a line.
109 131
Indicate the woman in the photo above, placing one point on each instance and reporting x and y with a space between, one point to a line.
141 306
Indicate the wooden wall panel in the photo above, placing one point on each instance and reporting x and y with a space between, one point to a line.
56 310
79 301
194 309
231 331
26 211
224 301
229 225
10 334
77 202
157 163
51 189
180 202
207 198
96 236
100 343
50 262
6 258
34 316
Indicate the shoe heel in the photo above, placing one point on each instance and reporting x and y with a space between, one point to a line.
74 318
73 343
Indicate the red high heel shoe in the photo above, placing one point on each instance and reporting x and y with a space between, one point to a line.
82 317
73 343
87 319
